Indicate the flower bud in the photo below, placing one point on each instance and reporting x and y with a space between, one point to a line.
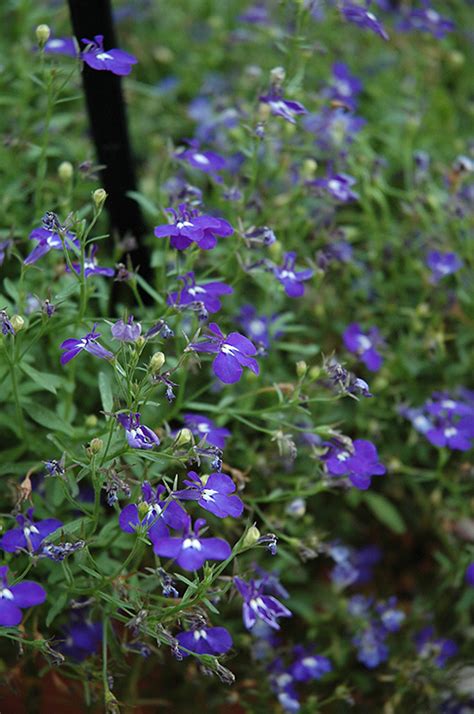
156 363
277 76
65 171
315 372
99 196
17 322
95 445
301 368
184 437
251 537
43 33
91 420
308 169
275 250
297 508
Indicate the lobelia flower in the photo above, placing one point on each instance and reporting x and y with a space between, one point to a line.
390 617
292 280
91 267
258 605
81 638
362 17
363 344
13 598
371 647
7 327
138 435
29 535
205 640
334 128
48 239
201 426
189 227
206 161
455 435
343 87
438 649
343 381
62 551
234 352
61 46
154 513
4 246
426 19
338 186
442 264
469 576
285 108
308 665
128 331
215 495
358 464
206 295
191 551
75 346
257 327
114 60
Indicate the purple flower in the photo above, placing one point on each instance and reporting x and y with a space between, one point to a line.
7 327
438 649
390 617
81 638
4 246
257 327
13 597
426 19
358 463
61 46
234 352
206 161
154 513
206 640
469 576
308 665
189 227
363 345
258 605
206 296
455 435
48 240
115 61
371 647
344 87
442 264
292 280
191 550
363 18
338 186
29 535
138 435
201 426
74 346
284 108
334 128
91 267
215 495
128 331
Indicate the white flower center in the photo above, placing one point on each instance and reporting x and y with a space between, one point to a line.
371 16
192 543
54 44
344 88
432 15
197 290
287 274
30 529
154 510
208 494
309 662
255 603
334 185
200 634
6 594
201 159
343 456
257 327
184 224
448 404
204 428
102 56
364 343
229 349
450 431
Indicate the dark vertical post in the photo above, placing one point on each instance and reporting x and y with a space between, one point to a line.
108 123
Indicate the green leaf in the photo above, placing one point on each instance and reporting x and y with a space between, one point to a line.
49 382
56 608
144 203
385 512
105 389
47 418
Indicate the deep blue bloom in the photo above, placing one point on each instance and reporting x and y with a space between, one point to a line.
91 267
216 495
29 534
291 279
442 264
114 60
82 638
363 344
438 649
469 576
191 550
128 331
138 435
74 346
189 227
258 605
207 161
155 513
338 186
358 462
201 426
234 352
205 640
308 666
371 647
426 19
48 239
285 108
208 294
61 46
15 597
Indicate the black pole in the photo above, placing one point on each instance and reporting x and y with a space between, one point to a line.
108 123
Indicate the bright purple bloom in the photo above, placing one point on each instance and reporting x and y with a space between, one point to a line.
442 264
338 186
201 426
189 227
344 87
438 649
358 463
91 267
427 19
363 344
362 17
155 513
258 605
284 108
115 61
371 647
308 665
455 435
61 46
206 296
81 638
74 346
128 331
191 550
234 352
13 597
470 574
206 640
291 279
138 435
207 161
29 535
48 240
216 495
390 617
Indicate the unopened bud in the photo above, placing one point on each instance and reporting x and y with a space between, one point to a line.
308 169
91 420
156 363
277 76
251 537
301 368
65 171
43 33
17 322
275 250
95 446
315 372
184 437
99 196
